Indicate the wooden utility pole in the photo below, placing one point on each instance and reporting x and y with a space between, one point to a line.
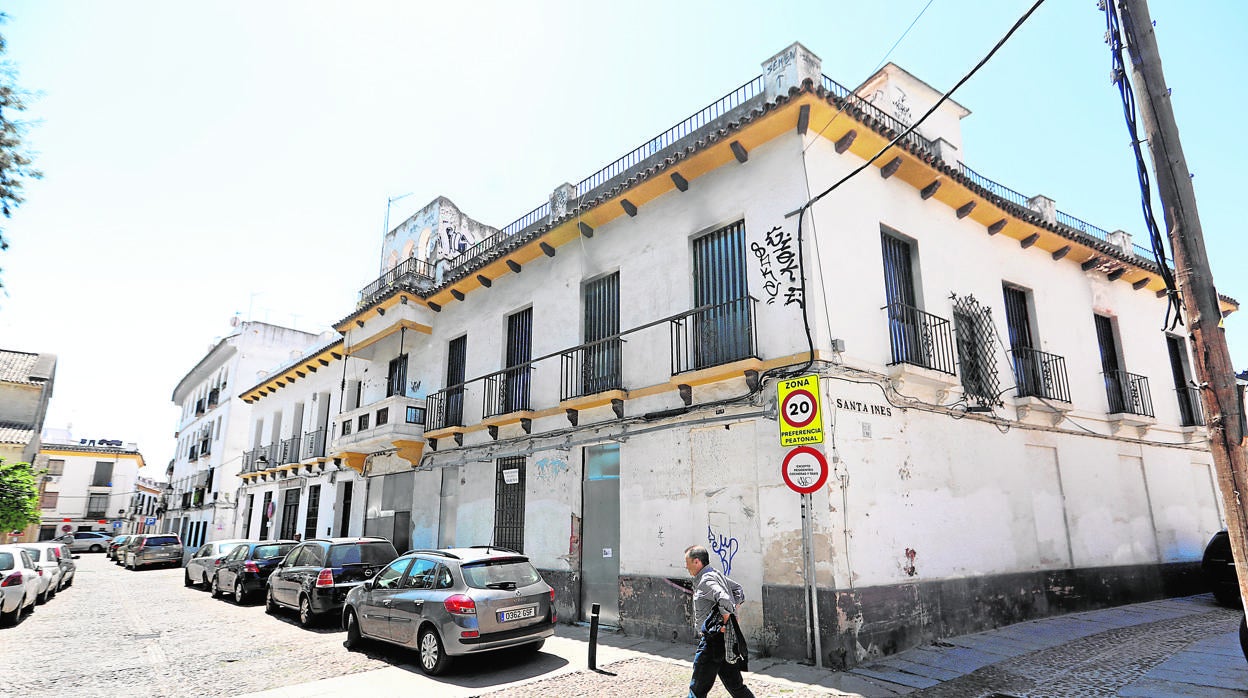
1214 370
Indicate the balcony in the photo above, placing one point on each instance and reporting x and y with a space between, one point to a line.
1190 413
313 444
1040 374
1128 394
289 451
713 335
507 392
920 339
411 273
379 426
445 409
592 369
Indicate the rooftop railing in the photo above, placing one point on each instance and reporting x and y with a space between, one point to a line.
994 188
913 139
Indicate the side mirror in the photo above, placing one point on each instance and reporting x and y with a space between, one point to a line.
368 585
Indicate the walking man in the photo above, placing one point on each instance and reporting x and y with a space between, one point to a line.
715 599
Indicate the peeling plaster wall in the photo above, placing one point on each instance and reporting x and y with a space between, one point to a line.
426 508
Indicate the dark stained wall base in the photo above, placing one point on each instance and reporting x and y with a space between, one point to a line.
883 620
567 586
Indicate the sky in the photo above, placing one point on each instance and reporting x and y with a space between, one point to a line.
206 160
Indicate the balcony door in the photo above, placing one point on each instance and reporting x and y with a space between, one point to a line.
456 364
1027 369
601 368
1189 397
721 332
1117 387
904 325
519 351
396 377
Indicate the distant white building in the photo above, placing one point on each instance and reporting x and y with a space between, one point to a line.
212 430
25 388
90 484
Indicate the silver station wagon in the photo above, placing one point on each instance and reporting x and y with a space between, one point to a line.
453 602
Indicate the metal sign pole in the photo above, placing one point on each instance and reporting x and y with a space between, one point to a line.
812 586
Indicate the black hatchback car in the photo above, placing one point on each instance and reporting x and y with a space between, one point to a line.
246 569
316 575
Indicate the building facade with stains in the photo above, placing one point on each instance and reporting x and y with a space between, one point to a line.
595 384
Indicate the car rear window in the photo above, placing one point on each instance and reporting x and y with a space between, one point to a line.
483 574
161 541
265 552
6 561
34 553
373 553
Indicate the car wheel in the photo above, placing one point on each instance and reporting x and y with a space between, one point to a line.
270 606
186 579
433 659
96 549
205 581
11 618
43 598
240 594
214 588
306 617
1227 597
352 626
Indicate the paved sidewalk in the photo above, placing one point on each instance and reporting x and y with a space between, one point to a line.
1175 647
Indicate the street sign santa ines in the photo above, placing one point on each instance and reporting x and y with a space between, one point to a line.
801 421
805 470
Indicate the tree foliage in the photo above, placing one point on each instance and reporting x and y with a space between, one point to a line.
19 496
16 165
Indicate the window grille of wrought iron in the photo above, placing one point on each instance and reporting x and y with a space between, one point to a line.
976 340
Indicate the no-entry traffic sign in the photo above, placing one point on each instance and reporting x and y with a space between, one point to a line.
805 470
800 419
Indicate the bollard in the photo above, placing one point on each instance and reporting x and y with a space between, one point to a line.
593 636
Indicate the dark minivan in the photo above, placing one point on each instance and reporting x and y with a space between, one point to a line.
246 569
316 575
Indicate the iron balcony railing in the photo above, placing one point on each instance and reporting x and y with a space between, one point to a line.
1040 374
314 444
995 188
920 339
411 270
290 451
445 408
591 368
507 391
892 125
1128 393
494 245
671 136
713 335
1190 412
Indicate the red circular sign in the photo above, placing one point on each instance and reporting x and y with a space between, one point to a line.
798 409
67 528
804 470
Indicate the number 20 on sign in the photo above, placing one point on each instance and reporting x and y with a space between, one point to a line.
800 420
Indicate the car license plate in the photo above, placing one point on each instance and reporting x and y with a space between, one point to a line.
517 613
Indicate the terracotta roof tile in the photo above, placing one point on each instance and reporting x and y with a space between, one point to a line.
12 433
20 367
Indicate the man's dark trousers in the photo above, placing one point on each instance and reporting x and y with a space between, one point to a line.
709 663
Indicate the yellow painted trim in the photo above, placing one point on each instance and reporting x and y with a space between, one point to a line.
499 420
385 304
311 364
353 460
393 329
715 374
72 452
409 450
586 402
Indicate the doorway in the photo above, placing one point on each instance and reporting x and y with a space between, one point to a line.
600 533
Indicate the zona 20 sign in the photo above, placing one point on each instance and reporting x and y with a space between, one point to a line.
800 420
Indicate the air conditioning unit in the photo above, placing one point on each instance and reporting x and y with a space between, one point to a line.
53 479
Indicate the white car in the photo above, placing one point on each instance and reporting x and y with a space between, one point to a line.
19 583
49 565
202 566
85 541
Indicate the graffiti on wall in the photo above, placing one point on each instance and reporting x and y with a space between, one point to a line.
777 262
724 547
550 467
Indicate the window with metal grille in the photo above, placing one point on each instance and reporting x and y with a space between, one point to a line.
721 331
397 376
509 504
456 368
314 511
601 367
976 343
96 506
290 512
519 351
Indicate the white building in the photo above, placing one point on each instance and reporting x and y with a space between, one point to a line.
596 384
90 484
289 485
26 381
213 428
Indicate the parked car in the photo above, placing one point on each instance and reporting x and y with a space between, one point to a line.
66 560
19 583
453 602
246 570
49 566
153 549
1218 568
203 564
316 575
114 544
85 541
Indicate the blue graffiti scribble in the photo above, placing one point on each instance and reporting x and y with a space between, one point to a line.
723 546
550 467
